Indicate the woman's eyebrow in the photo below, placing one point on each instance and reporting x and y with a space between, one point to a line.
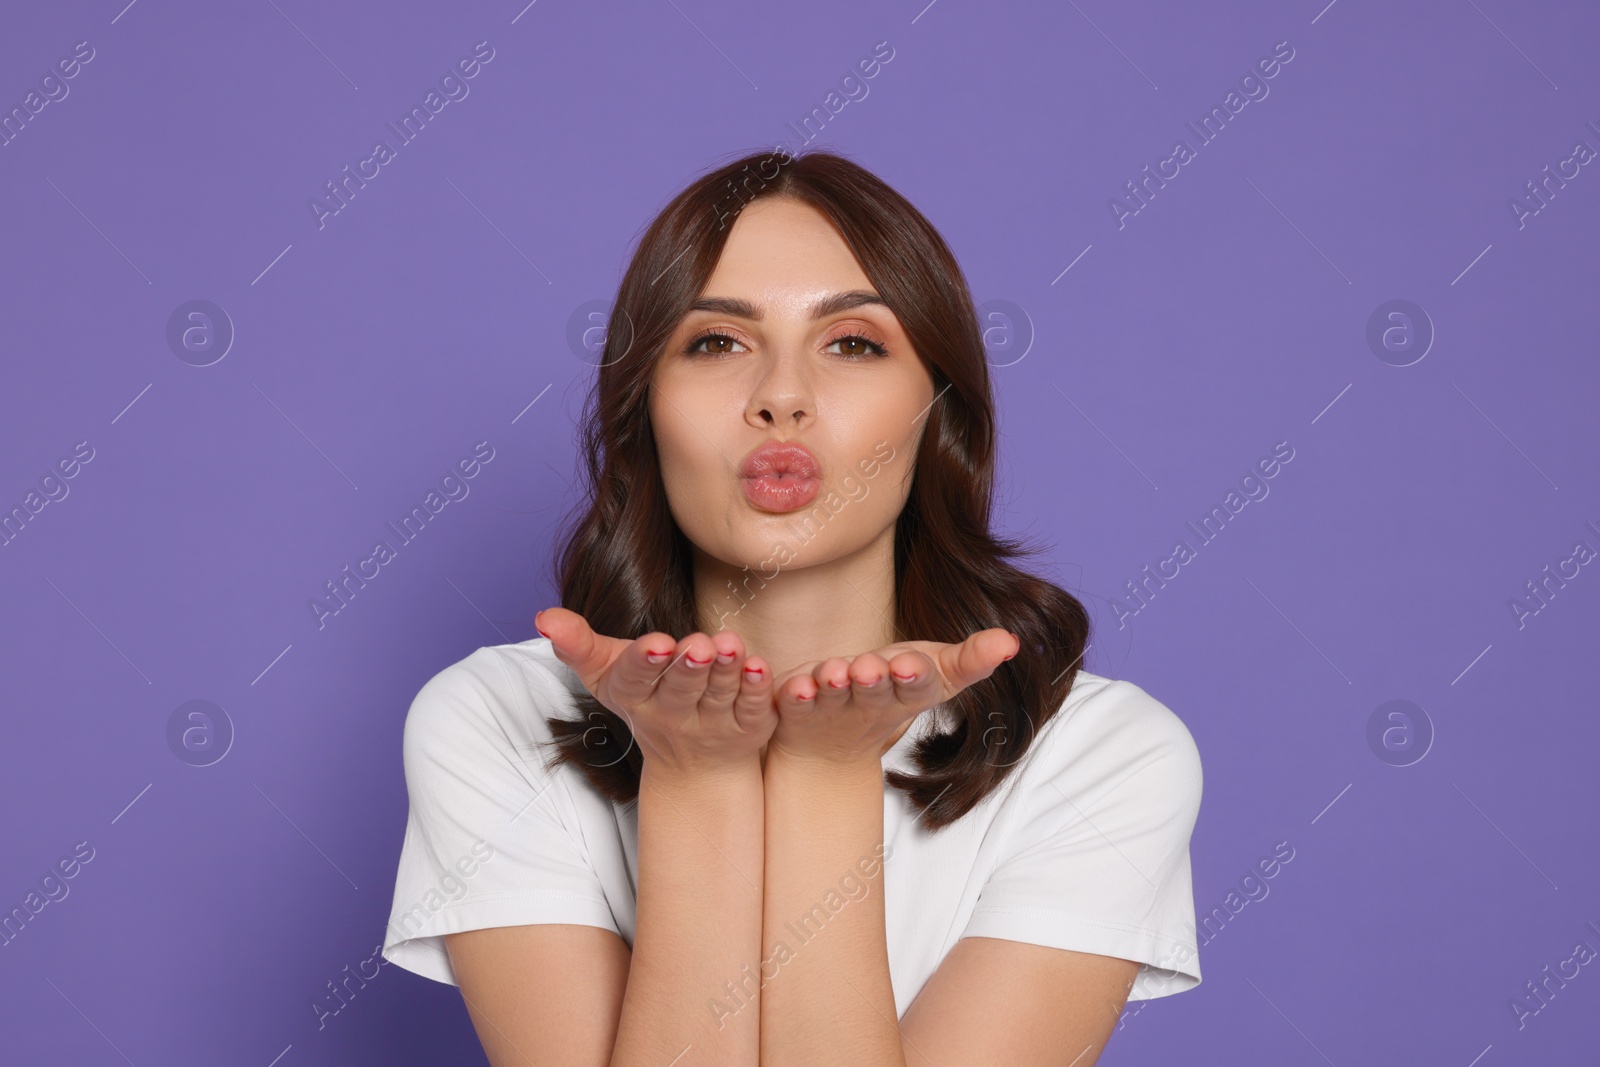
828 305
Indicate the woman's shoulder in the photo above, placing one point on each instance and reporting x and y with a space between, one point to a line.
1114 725
492 688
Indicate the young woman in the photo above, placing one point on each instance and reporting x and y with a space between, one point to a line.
825 782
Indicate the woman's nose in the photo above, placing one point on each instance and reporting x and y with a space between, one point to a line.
782 396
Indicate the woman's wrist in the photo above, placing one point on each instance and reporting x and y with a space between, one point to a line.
822 770
711 780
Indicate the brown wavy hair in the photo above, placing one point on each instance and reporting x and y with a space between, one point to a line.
625 566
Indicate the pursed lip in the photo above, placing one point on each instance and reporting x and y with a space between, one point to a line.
781 457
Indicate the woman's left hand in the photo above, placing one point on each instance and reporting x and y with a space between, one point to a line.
847 710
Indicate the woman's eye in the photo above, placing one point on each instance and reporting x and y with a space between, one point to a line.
712 344
854 346
858 346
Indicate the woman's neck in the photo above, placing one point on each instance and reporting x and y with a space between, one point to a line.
843 607
840 608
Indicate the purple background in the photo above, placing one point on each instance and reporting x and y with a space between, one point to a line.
372 353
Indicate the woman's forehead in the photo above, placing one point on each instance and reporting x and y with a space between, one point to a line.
788 251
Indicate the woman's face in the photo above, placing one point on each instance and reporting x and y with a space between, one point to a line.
782 366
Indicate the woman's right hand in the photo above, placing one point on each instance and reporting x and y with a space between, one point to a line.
693 705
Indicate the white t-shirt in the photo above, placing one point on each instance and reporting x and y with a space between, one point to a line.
1084 846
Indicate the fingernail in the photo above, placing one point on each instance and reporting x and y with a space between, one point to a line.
657 657
1008 657
904 677
724 657
695 662
753 673
840 685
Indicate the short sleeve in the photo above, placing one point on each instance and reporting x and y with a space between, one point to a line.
1097 859
489 837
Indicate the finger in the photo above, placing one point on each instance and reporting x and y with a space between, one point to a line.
870 684
833 682
577 645
722 686
797 695
976 658
754 704
633 677
915 679
683 681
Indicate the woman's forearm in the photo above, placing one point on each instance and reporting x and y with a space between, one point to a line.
827 999
699 922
